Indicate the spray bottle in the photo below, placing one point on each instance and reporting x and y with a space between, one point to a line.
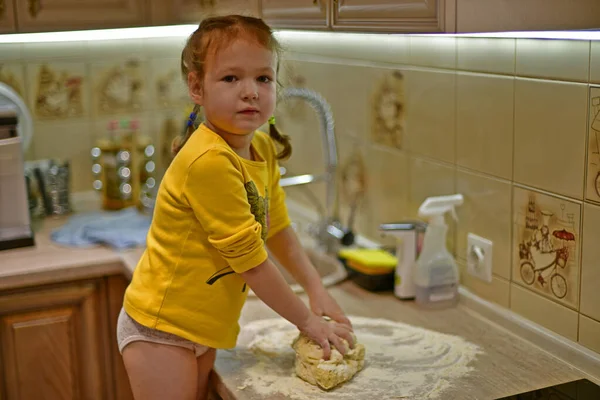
436 274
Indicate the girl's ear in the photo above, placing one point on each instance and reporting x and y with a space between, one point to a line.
195 88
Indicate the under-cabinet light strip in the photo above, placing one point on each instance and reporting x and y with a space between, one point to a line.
186 30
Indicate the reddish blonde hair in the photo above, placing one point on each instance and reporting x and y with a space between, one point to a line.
214 33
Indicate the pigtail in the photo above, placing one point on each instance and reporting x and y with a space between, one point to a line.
283 140
179 141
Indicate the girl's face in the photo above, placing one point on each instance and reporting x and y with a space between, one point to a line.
239 87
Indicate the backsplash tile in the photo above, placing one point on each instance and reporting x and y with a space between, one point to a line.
550 135
486 212
119 86
546 245
431 113
590 264
13 75
595 62
484 123
544 312
553 59
589 333
388 108
593 159
58 90
432 51
498 291
167 88
59 51
490 55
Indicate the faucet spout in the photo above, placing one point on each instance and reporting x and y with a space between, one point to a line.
327 129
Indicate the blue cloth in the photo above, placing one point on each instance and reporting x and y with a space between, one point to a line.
119 229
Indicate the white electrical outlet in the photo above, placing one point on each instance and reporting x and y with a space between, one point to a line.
479 257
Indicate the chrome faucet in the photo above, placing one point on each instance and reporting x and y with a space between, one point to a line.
329 231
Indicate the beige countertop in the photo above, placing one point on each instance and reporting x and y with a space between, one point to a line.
508 365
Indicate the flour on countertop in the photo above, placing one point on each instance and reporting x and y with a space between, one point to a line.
401 361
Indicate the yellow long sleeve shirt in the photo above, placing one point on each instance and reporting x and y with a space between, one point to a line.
214 212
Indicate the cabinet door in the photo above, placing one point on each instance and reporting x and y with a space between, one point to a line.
7 16
116 289
51 346
61 15
310 14
193 11
530 15
395 15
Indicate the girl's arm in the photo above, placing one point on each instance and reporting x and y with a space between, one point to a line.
286 247
270 286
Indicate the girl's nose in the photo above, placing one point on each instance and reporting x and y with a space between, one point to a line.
250 92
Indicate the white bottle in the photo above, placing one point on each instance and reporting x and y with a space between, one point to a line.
436 274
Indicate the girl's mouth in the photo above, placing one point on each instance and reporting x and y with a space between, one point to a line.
249 111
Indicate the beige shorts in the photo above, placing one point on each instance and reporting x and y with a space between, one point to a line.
128 331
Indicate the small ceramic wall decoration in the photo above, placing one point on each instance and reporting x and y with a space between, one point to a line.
59 92
119 88
12 76
546 245
593 172
169 85
388 110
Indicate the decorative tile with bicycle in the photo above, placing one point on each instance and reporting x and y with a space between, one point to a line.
546 245
593 171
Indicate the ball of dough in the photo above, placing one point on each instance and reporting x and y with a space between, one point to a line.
326 374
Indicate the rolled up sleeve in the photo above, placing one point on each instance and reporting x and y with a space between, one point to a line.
214 190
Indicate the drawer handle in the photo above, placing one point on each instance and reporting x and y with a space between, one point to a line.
34 7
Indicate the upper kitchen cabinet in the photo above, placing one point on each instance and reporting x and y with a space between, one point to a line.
193 11
60 15
7 16
530 15
403 16
296 14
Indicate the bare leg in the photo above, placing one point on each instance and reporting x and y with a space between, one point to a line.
160 371
205 365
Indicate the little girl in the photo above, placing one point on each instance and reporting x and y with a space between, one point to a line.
218 206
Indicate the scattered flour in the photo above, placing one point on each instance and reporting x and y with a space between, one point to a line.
401 361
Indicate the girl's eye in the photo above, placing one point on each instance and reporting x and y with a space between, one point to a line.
264 79
229 78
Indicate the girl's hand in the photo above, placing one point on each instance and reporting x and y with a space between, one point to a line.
322 304
324 332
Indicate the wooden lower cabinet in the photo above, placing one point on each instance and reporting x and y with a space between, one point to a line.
58 342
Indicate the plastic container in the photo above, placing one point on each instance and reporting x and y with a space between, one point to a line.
371 269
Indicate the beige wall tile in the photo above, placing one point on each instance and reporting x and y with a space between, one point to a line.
590 262
544 312
431 113
554 59
353 177
486 212
107 50
161 47
67 140
550 135
119 85
13 75
58 90
387 186
546 234
498 291
46 51
491 55
388 109
484 123
369 47
11 51
595 62
432 51
166 87
592 190
426 179
589 333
